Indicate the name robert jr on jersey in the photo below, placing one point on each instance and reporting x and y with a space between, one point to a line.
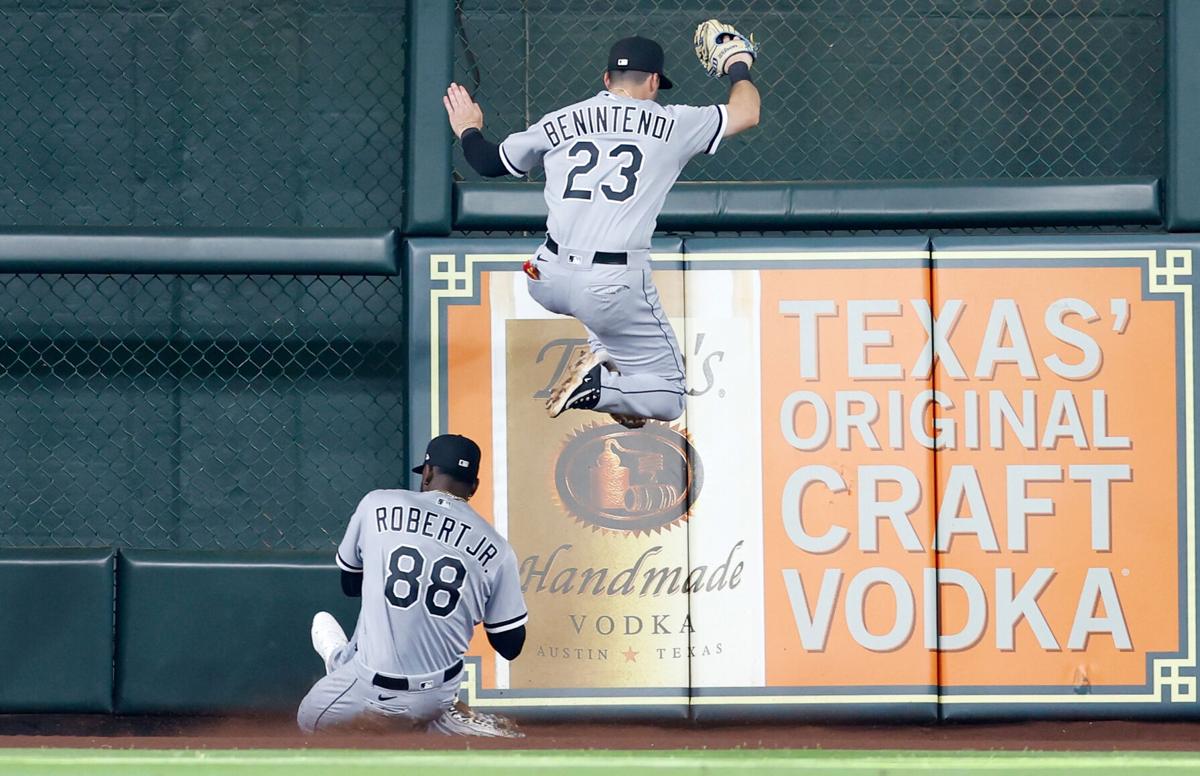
448 531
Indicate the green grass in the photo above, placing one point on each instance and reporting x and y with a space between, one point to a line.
103 762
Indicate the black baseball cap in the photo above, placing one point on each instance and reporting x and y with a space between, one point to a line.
453 454
639 53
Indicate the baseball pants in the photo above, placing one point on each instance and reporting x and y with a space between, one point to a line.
620 307
347 694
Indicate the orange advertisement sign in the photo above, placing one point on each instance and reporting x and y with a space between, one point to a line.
847 507
907 477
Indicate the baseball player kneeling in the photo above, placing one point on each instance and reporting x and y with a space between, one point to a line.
610 161
428 569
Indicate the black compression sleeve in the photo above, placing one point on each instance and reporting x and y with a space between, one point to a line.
352 583
508 643
482 154
739 71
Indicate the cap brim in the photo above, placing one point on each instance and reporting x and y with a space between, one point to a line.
418 469
664 82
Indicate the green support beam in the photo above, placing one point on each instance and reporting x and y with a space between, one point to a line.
427 162
1183 116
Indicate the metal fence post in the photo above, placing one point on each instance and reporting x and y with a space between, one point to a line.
427 166
1183 116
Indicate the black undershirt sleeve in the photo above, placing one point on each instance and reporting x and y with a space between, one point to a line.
352 583
482 154
508 643
739 71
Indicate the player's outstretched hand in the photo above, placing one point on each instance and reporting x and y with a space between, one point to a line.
462 111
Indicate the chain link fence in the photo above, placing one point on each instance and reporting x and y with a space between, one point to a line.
860 89
195 113
187 411
228 412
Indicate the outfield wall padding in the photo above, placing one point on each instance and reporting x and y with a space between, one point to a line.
1129 651
1040 565
792 205
56 630
1028 549
129 250
221 632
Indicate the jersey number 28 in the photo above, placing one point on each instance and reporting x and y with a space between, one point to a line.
403 586
590 155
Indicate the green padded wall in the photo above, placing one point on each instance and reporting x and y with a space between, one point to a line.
127 250
833 205
56 630
207 632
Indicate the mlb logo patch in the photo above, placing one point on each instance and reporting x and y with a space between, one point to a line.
425 685
443 502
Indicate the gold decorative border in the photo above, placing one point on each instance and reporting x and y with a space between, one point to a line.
458 284
1173 677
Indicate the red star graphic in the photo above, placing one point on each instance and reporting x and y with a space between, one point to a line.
630 655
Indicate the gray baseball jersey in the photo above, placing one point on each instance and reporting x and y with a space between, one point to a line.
610 161
432 570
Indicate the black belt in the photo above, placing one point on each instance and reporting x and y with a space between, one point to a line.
599 257
401 682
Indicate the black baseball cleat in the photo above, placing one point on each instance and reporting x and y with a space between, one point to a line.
587 395
579 388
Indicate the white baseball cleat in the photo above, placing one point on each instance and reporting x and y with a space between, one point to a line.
578 388
460 720
327 637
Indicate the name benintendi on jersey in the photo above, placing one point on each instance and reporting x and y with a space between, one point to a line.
603 119
610 161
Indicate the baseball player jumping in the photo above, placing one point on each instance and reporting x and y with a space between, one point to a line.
610 161
428 569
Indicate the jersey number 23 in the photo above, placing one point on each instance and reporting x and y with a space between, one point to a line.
588 156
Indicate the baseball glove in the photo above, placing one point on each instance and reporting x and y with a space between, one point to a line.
716 42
